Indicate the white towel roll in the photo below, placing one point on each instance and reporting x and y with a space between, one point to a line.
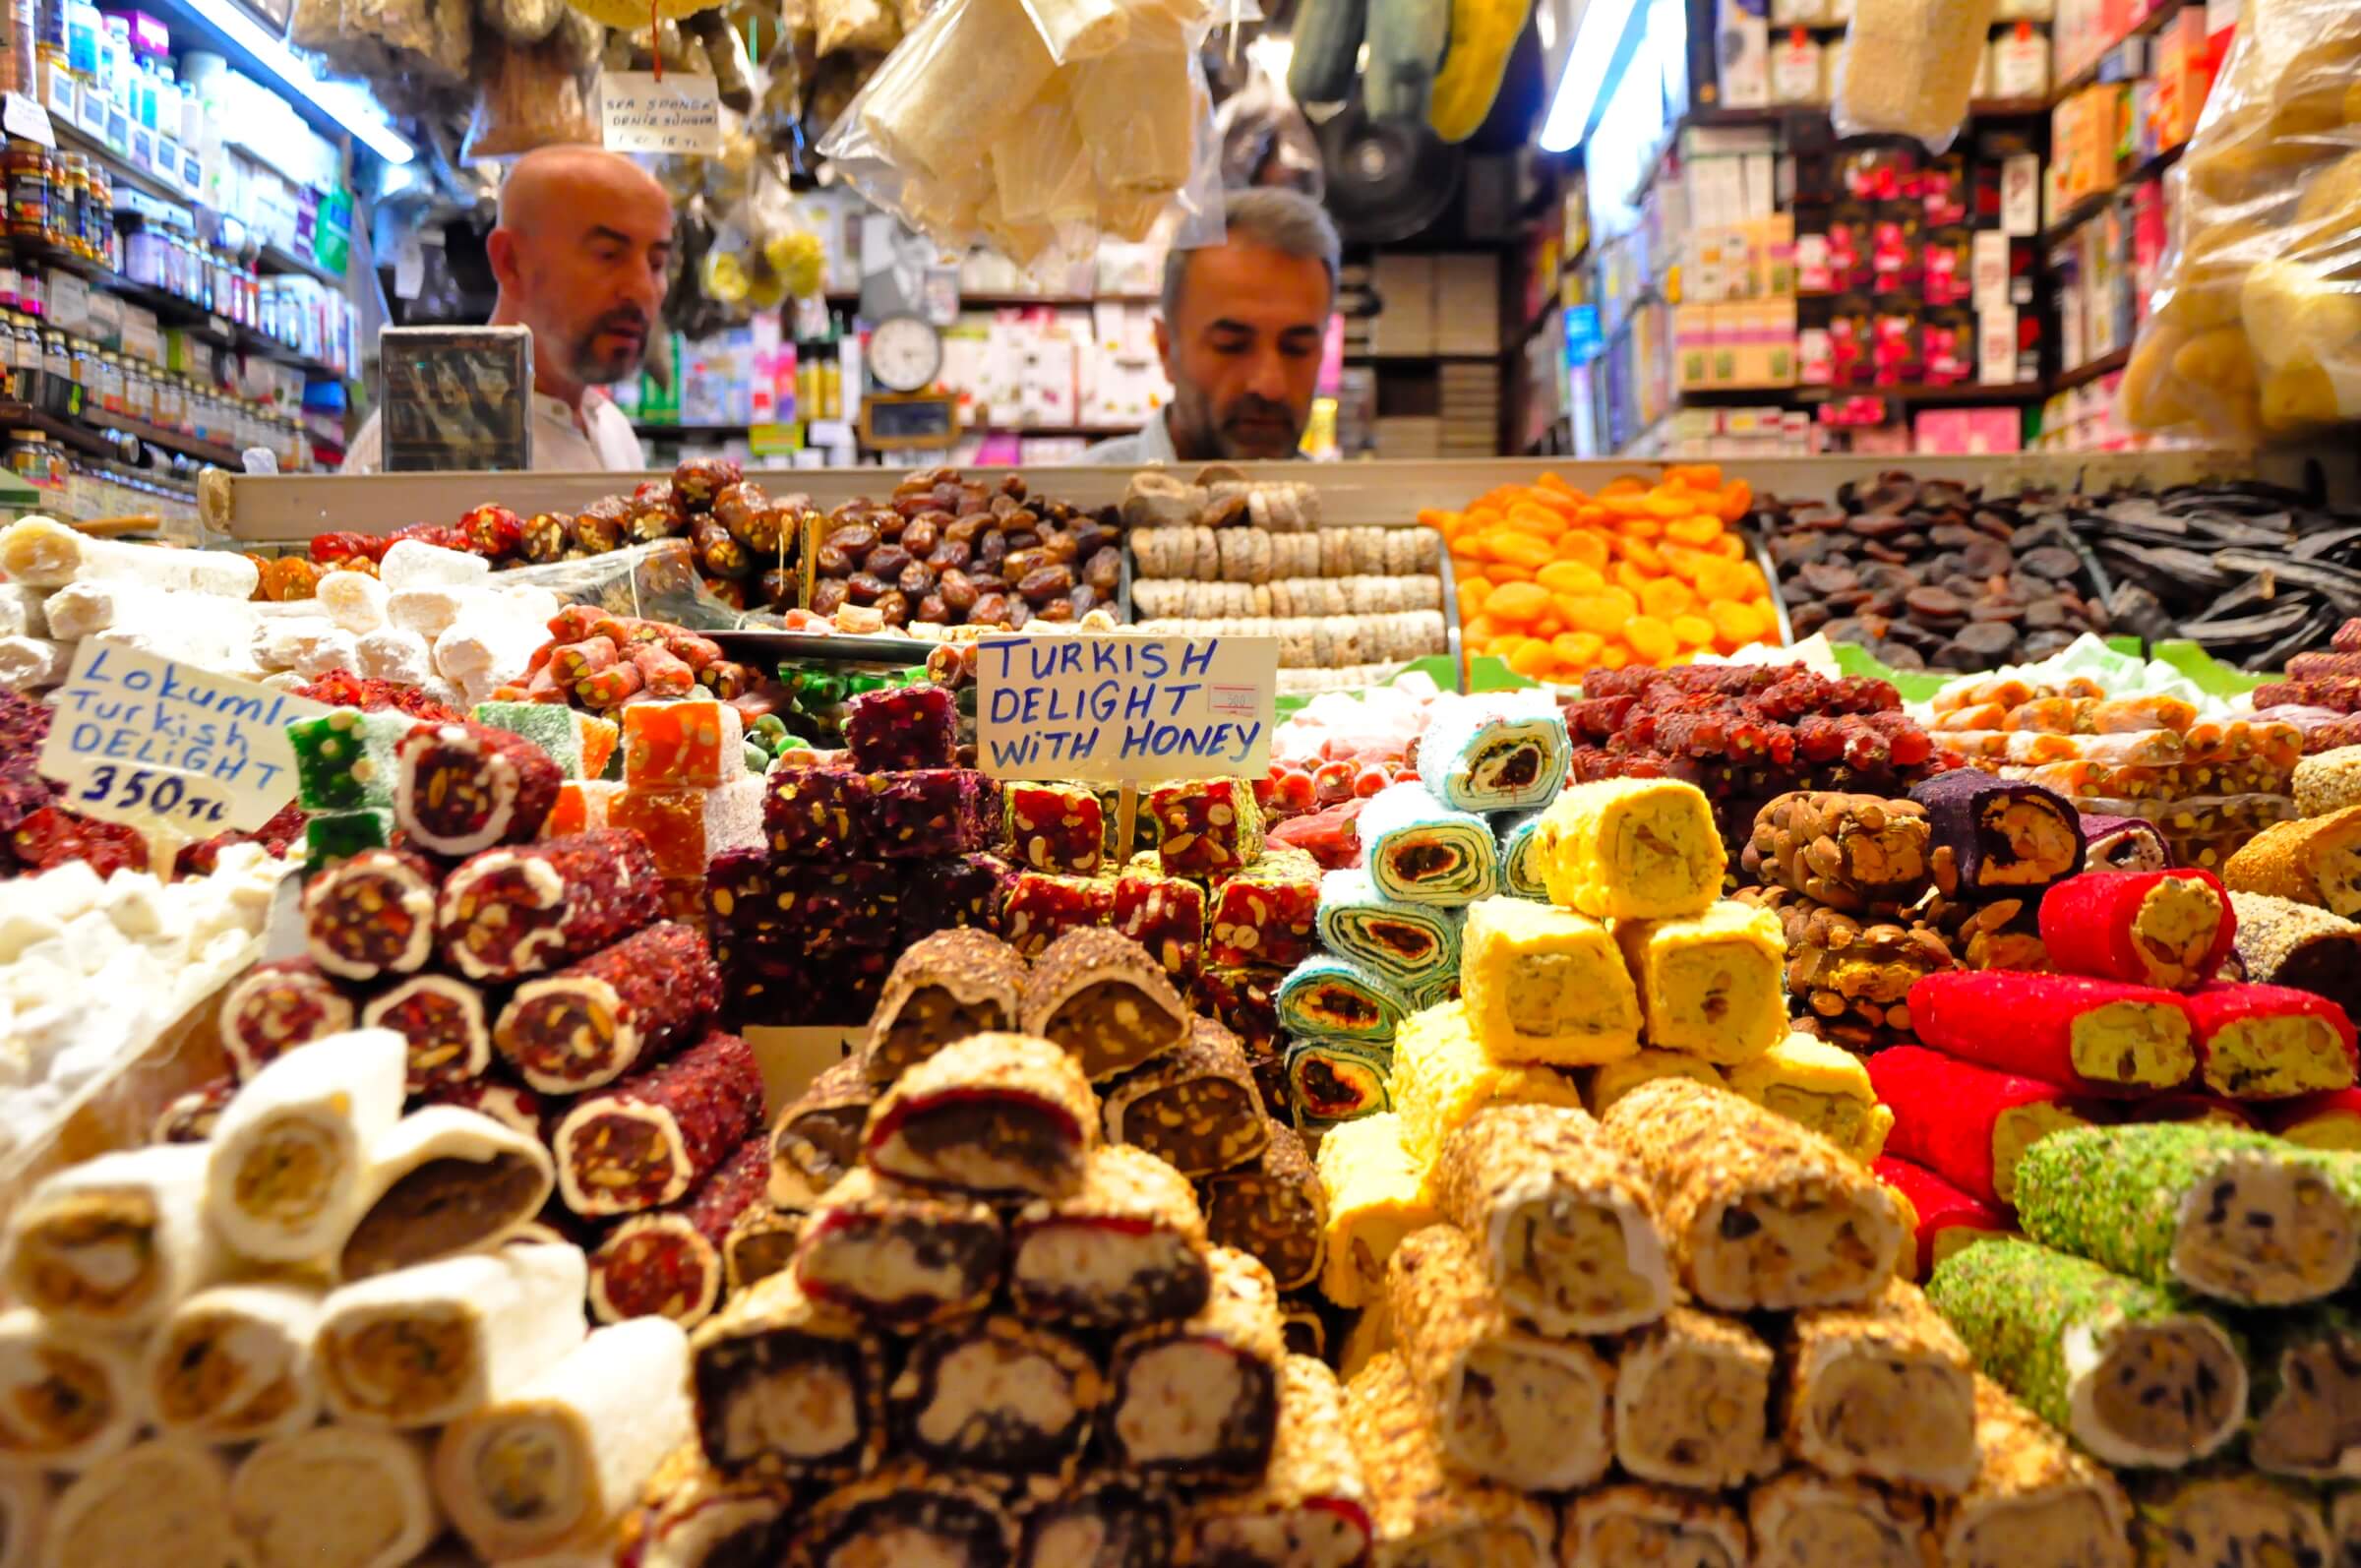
68 1396
335 1497
116 1242
235 1365
444 1180
290 1156
24 1503
163 1501
424 1346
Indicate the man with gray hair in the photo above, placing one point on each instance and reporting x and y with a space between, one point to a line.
1241 335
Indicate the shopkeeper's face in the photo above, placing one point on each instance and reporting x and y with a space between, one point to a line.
591 278
1243 351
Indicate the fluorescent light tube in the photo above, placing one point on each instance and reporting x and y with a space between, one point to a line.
349 106
1595 38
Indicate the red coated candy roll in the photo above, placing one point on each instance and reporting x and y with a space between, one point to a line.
2271 1041
2097 1036
654 1137
371 915
462 788
507 1104
592 1023
668 1263
443 1019
1948 1219
273 1008
2327 1120
527 908
2170 929
1967 1123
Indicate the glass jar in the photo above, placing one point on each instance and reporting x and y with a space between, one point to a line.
170 405
57 372
9 277
82 366
110 382
27 166
99 231
138 392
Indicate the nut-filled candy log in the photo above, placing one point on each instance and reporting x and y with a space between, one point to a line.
628 1004
668 1262
1694 1403
996 1117
528 908
1884 1391
2281 943
1803 1518
274 1007
1546 984
650 1137
816 1138
859 1250
763 1360
943 988
462 787
2170 929
1272 1207
1310 1506
1196 1107
1969 1125
2033 1497
1858 853
1110 1521
443 1022
999 1395
371 915
1607 1526
2313 860
2099 1036
1421 1508
2269 1041
1105 999
1993 836
2123 844
1196 1400
1126 1246
1816 1085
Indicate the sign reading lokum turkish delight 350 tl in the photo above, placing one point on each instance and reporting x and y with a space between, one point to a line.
137 739
1125 709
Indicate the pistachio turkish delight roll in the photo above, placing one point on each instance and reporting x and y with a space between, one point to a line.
1374 1197
816 1137
943 988
2269 1041
1097 1522
1196 1400
442 1181
1442 1076
999 1396
899 1258
1884 1389
1694 1396
1603 1085
115 1242
2216 1516
1819 1086
1408 945
1546 984
2033 1497
2235 1215
1804 1520
1614 1527
162 1500
668 1261
2310 860
760 1243
998 1116
1335 998
787 1388
2307 1402
69 1397
693 1516
462 788
2281 943
335 1497
1420 1510
1710 983
425 1345
1420 851
371 915
1969 1124
2136 1374
1126 1246
1858 853
1103 997
1310 1509
1993 836
273 1007
2101 1037
288 1177
905 1512
1522 1409
625 1007
1632 849
235 1362
645 1140
1758 1214
1196 1108
523 909
1273 1207
192 1116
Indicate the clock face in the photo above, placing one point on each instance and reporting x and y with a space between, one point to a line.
906 352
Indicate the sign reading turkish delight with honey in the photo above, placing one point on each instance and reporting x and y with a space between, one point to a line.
1124 709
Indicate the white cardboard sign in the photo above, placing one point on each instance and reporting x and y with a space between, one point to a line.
678 115
1118 708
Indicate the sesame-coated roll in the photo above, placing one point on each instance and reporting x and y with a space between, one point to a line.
1615 1526
2235 1215
2169 928
525 909
2034 1499
1884 1389
1421 1512
650 1137
442 1181
760 1243
2310 860
289 1159
115 1242
943 988
1374 1196
1709 983
787 1388
162 1500
2281 943
1805 1519
693 1516
999 1396
2101 1036
2269 1041
1693 1403
2328 781
668 1262
1631 849
273 1008
1758 1214
460 788
816 1137
1309 1510
2306 1402
1545 985
1126 1246
2225 1514
1273 1207
423 1346
905 1513
1969 1125
1196 1401
998 1116
1993 836
69 1397
335 1497
1196 1108
1820 1086
2135 1374
442 1021
1442 1076
624 1007
899 1258
1563 1218
1105 999
371 915
1099 1522
234 1363
1511 1406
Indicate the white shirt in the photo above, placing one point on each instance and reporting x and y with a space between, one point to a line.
601 440
1153 445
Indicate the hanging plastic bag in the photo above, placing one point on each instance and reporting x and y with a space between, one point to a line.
527 99
1265 139
1910 68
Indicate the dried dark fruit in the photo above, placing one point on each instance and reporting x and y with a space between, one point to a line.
863 588
829 594
853 538
1048 583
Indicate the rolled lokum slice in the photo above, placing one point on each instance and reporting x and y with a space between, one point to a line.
1272 1207
1758 1214
668 1262
1546 985
998 1116
1857 852
1333 997
652 1136
423 1346
899 1259
1603 1086
1969 1125
1485 756
1610 1527
2034 1498
192 1116
1309 1510
1375 1197
570 1448
1420 1509
444 1180
1246 1001
908 1511
1420 851
1196 1400
2307 1373
1205 827
1710 985
819 813
686 827
1884 1389
2123 844
2271 1041
2169 928
345 759
287 1176
624 1006
1126 1246
2235 1215
1099 1522
1166 914
1631 849
162 1500
1819 1086
786 1388
2097 1036
441 1020
1266 913
1803 1520
273 1008
1995 836
1410 945
693 1516
2310 860
2222 1515
761 1243
1441 1077
943 988
1948 1219
1329 1081
2284 943
696 742
2133 1373
1195 1109
1103 999
371 915
903 727
1511 1406
1042 907
1563 1219
69 1397
1520 854
462 788
999 1396
1693 1403
816 1138
530 908
234 1363
1054 827
335 1497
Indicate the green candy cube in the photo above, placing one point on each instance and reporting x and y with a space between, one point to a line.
345 760
332 836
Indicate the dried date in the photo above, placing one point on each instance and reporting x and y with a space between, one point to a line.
932 609
1104 570
832 560
917 579
830 594
853 538
922 535
894 606
950 554
887 561
1041 586
863 588
990 609
957 591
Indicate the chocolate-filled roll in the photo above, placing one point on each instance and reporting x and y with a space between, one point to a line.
1995 836
997 1396
1274 1207
787 1389
1099 1522
1310 1509
898 1258
816 1138
1105 999
1197 1401
905 1513
760 1243
1196 1107
1126 1246
998 1116
693 1516
944 988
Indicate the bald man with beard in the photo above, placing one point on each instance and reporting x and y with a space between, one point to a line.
580 252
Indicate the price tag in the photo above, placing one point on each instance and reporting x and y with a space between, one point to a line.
142 148
409 268
57 90
1126 709
681 114
89 109
140 739
21 116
